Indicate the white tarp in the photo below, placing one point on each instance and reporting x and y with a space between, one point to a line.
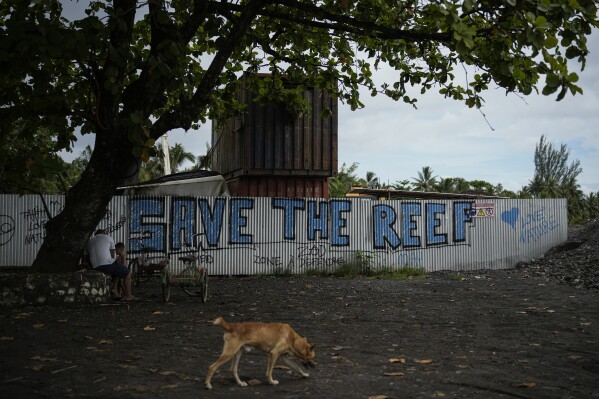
209 186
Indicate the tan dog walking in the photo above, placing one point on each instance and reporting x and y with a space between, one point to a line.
275 338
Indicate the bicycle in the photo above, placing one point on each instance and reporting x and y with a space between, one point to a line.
144 267
192 279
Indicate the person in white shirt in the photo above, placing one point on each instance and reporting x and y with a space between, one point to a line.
101 252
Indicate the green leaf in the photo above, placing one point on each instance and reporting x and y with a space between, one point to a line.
136 117
468 5
547 90
174 49
162 17
572 52
561 94
551 41
572 77
552 80
541 22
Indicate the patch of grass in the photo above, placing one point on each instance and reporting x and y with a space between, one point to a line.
457 276
282 271
362 265
349 270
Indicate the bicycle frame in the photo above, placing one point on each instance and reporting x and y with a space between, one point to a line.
192 278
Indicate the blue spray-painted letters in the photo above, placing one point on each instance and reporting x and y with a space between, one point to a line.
317 219
212 220
433 223
384 218
150 234
183 222
338 222
238 220
461 216
289 206
410 210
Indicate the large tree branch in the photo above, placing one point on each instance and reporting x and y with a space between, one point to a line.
196 19
315 16
145 93
184 114
120 24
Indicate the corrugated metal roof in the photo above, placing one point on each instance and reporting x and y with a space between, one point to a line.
379 193
193 174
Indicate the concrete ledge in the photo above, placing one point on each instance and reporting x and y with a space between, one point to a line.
53 289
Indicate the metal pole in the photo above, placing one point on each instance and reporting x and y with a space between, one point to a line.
167 156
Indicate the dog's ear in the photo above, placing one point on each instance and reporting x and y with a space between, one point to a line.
312 347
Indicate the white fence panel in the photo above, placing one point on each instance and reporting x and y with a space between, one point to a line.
239 236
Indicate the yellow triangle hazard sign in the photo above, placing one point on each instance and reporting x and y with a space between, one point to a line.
481 212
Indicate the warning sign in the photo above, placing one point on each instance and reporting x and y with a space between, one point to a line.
483 210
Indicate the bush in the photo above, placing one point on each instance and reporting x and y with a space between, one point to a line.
362 265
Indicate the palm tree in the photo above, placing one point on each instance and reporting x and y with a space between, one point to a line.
346 178
425 180
592 205
446 185
178 156
402 185
554 176
482 187
372 181
204 162
155 166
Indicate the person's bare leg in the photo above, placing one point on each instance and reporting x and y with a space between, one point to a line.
121 287
114 290
127 288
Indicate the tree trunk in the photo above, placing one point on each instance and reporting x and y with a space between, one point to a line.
85 206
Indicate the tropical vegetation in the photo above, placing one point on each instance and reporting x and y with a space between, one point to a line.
128 72
555 176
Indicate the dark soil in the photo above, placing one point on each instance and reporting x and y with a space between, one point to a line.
488 334
532 332
575 262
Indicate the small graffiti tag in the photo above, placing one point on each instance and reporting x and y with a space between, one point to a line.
7 229
535 225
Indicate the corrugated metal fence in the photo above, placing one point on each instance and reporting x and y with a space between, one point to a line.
239 235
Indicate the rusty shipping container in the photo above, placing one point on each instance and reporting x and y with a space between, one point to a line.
288 187
269 141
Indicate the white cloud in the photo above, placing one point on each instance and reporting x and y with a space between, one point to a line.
395 141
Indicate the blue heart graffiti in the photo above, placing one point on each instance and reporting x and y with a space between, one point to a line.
511 217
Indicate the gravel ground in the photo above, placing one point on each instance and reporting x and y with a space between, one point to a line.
530 332
576 262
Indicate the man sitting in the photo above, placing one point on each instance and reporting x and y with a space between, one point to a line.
101 252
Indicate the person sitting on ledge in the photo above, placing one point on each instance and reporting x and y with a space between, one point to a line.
102 257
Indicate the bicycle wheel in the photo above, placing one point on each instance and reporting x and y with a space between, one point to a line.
134 268
204 287
166 289
191 289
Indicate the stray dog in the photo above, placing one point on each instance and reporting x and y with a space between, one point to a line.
275 338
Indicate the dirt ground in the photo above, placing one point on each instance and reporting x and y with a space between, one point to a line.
490 335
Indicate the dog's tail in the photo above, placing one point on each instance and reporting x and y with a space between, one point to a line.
219 321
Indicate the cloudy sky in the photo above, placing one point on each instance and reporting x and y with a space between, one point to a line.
395 141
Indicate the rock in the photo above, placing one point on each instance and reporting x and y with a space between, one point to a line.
576 261
53 288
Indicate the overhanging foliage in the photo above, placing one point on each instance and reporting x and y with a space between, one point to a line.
129 72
